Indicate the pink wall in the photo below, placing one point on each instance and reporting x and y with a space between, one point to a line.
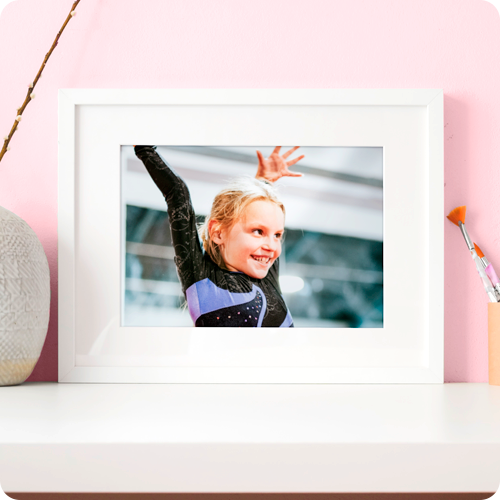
448 44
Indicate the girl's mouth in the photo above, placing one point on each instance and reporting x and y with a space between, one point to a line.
261 259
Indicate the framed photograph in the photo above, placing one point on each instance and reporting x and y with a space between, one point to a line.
330 253
327 269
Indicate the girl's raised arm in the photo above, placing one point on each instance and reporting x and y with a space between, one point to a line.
182 219
160 171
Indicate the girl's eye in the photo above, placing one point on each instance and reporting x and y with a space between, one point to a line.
257 231
278 236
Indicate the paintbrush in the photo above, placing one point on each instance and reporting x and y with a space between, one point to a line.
457 216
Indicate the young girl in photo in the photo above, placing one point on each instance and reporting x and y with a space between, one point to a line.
231 277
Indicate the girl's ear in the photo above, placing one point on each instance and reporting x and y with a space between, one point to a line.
214 232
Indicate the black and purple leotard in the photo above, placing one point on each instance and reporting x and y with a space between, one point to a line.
215 296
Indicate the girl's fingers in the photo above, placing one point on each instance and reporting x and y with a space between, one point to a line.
260 157
292 174
293 162
288 153
277 149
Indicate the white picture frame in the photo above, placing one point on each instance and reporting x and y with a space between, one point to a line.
94 348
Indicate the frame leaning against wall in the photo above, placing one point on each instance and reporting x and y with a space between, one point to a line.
95 124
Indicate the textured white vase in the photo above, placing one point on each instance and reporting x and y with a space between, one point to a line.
24 298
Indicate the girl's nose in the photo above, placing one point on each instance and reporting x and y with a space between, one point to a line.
271 244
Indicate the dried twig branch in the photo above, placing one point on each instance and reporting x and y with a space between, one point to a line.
31 88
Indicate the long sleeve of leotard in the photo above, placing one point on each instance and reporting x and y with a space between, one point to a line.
187 245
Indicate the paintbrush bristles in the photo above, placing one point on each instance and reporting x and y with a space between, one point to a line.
478 251
457 215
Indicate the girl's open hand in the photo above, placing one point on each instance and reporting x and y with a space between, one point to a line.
273 168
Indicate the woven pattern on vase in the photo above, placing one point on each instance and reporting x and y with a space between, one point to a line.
24 298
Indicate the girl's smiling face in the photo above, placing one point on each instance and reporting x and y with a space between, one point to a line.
253 243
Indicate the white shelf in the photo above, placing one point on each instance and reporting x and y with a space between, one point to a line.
249 438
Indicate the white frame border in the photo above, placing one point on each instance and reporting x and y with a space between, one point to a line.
431 100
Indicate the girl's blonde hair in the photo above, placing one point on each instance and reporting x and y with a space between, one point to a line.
228 206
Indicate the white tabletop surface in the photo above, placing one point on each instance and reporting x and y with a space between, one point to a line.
249 438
